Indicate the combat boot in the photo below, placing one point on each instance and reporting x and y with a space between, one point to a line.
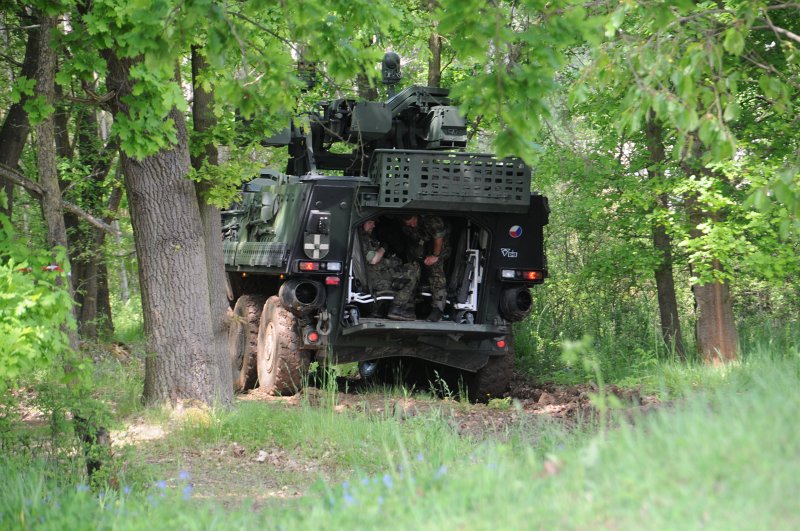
435 316
396 313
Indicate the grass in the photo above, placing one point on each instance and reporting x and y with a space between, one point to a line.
724 455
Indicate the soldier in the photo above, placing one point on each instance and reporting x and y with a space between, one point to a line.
389 273
427 243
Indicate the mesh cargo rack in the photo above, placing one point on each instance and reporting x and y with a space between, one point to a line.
450 181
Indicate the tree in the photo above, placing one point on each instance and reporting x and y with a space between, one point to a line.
249 53
14 131
206 154
681 61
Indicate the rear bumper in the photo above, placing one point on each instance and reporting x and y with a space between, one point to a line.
463 346
420 329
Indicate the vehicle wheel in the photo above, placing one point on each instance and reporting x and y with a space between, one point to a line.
243 341
492 380
282 364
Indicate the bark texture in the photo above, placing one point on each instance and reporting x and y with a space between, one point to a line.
665 279
204 121
717 339
46 151
169 239
15 129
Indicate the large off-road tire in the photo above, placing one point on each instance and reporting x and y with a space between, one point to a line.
243 341
282 363
492 380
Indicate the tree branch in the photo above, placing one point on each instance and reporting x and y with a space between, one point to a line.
263 28
778 30
10 60
17 178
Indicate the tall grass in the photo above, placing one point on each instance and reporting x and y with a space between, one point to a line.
725 455
720 459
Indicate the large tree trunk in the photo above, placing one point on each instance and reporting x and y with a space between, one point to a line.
717 339
665 280
169 238
204 121
14 131
715 328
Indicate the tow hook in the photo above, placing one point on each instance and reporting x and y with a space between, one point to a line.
324 323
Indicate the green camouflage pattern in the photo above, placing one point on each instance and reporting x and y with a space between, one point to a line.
390 274
420 244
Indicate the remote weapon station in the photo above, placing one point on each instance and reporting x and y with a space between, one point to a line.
298 277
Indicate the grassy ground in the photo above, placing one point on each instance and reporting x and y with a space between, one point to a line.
725 454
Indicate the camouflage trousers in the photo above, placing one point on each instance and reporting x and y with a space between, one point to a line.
438 283
395 276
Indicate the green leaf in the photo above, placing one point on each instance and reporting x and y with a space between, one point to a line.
771 86
784 228
734 41
23 87
615 20
38 109
687 120
732 110
782 192
760 199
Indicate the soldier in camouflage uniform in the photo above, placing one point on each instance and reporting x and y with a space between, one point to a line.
389 273
428 243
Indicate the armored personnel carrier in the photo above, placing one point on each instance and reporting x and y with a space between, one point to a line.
296 269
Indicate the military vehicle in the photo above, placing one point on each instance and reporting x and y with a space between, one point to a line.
296 270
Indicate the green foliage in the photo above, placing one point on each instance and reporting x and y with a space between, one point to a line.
35 308
23 87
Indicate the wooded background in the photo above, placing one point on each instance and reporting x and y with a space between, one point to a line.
665 134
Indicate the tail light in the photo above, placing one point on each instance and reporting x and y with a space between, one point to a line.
317 266
522 275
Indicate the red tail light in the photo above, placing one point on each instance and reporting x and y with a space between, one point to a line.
308 266
532 275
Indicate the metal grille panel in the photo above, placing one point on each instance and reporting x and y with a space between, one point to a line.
472 179
267 254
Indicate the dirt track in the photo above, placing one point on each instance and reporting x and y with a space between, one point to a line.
523 401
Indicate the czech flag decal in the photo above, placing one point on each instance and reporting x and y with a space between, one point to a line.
515 231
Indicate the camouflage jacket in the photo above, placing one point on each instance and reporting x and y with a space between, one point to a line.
421 237
369 246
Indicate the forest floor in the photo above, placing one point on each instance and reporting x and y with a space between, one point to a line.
232 473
